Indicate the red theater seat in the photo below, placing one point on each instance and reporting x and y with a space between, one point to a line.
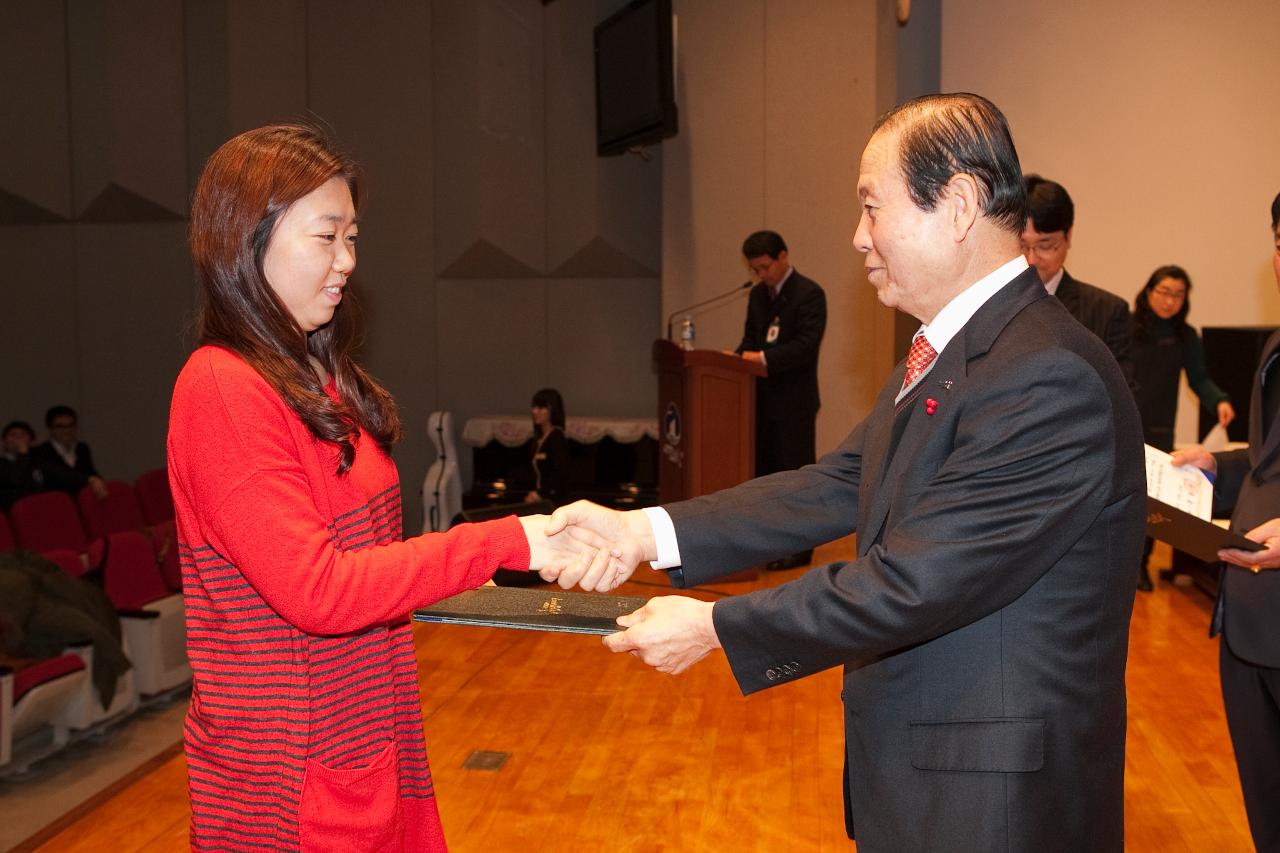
152 489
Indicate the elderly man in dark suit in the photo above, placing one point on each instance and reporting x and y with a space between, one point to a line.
1248 609
997 491
786 316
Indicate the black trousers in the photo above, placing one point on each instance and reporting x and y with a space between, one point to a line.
1251 695
785 444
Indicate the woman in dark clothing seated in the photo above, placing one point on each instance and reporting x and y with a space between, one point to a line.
1164 345
548 449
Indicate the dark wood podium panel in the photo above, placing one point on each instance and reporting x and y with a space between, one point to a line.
706 409
724 412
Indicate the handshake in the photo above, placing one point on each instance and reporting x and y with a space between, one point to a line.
597 549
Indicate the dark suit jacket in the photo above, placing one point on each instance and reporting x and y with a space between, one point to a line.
1249 481
58 474
983 627
791 388
1104 314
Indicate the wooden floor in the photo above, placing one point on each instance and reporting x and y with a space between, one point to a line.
606 755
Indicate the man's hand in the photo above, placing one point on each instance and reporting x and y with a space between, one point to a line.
628 539
1197 457
670 633
754 356
562 552
1268 533
99 487
1226 414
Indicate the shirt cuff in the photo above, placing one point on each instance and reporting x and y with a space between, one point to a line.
664 537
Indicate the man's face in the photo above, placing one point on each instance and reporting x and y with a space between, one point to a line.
907 248
17 440
63 430
1275 256
769 270
1046 251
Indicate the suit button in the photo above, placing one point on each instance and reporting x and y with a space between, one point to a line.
771 674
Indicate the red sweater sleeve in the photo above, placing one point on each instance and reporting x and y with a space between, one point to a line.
254 477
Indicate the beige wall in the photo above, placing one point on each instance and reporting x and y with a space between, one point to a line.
498 253
1159 119
774 109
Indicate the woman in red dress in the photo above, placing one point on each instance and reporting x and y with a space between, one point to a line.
305 729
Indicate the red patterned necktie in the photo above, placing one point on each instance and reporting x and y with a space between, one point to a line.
918 359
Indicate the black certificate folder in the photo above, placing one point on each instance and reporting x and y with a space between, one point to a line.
532 610
1184 531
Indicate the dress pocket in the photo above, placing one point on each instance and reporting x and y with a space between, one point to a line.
344 811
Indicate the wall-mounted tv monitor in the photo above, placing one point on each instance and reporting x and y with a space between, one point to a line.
635 77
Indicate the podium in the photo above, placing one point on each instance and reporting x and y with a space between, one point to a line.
706 420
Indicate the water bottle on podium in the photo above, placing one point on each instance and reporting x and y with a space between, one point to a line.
687 332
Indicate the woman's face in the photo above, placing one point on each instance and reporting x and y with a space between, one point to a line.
311 252
541 416
1167 296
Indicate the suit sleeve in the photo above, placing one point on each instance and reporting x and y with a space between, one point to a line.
801 349
768 517
1028 472
750 340
1119 340
1233 467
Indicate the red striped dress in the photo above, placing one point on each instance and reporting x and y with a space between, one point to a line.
305 728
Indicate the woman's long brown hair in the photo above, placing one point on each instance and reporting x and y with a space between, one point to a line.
245 188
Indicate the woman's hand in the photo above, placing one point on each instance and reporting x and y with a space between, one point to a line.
1226 414
552 555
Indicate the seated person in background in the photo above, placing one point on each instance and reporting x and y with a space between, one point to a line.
65 462
548 449
1164 345
19 474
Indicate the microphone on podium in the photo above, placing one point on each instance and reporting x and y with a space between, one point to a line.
704 303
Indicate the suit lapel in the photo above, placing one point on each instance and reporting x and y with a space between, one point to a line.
1260 451
882 472
915 424
1068 293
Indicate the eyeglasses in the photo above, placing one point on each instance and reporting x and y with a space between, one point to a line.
758 270
1167 293
1044 248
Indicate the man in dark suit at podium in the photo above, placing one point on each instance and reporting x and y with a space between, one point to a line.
1247 615
1045 242
998 493
786 317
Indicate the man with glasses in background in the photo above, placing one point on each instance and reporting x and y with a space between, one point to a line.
1045 242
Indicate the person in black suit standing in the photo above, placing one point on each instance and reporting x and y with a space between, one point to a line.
1046 241
786 317
65 462
997 489
1247 614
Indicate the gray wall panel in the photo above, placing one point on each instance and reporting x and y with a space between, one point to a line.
35 163
133 303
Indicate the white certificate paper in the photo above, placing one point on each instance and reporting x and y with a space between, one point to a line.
1185 487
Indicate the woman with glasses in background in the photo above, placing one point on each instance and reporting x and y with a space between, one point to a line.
1164 345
